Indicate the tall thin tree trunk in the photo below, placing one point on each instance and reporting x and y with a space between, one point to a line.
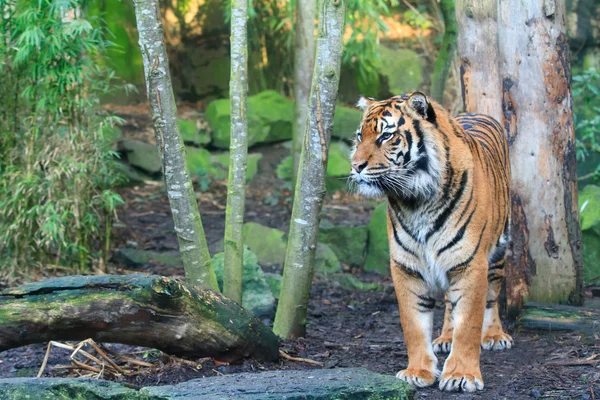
188 224
546 261
310 187
478 51
238 152
304 60
443 61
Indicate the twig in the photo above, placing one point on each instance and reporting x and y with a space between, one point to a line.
306 360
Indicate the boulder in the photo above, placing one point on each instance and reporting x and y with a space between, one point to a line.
141 155
251 163
378 250
270 118
350 282
349 243
338 161
321 384
134 258
345 122
402 68
274 282
256 293
191 134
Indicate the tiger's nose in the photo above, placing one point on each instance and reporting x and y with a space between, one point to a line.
359 165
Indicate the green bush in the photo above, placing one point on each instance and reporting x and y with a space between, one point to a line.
586 89
56 170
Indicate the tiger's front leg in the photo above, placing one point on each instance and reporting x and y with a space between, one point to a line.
416 316
467 295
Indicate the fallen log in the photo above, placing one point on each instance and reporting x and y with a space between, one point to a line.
553 317
140 310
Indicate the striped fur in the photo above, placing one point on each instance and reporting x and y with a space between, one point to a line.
447 184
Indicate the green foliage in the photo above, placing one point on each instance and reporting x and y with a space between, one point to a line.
586 89
56 166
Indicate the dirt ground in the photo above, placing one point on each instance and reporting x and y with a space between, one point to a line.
345 328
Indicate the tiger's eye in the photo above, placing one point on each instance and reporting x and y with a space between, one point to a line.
359 137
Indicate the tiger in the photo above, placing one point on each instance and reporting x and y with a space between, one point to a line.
448 215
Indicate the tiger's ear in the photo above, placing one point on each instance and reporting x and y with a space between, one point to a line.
419 103
364 102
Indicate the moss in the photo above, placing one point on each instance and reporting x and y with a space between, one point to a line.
251 163
402 69
345 122
378 250
338 162
349 243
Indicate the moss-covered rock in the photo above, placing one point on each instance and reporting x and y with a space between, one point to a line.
345 122
267 243
141 155
402 68
349 243
256 294
285 169
338 161
191 134
270 118
589 206
274 282
378 249
64 389
135 258
251 163
350 282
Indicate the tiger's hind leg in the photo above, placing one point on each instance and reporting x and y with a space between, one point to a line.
443 344
493 336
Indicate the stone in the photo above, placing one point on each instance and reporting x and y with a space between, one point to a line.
274 282
256 293
345 122
268 244
135 258
326 261
270 118
338 161
350 282
64 389
314 384
349 243
191 134
141 155
133 175
589 206
402 68
285 169
251 163
378 249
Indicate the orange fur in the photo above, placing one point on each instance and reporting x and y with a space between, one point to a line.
447 184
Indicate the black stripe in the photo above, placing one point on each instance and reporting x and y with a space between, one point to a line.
402 225
423 160
443 217
497 255
468 260
490 303
458 235
399 243
409 271
409 143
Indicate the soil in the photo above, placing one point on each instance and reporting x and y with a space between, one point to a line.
346 328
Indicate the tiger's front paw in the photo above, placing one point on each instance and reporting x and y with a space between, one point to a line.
499 341
443 344
417 377
461 375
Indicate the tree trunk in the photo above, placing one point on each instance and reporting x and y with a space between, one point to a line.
443 61
238 152
545 263
310 186
478 51
139 310
552 318
304 60
188 224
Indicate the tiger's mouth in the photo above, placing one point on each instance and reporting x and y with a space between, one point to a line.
367 187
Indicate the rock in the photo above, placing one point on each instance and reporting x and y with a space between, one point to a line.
133 176
285 169
268 244
378 249
135 258
274 282
256 293
251 163
322 384
141 155
345 122
64 389
338 161
191 134
402 69
326 262
589 206
350 282
111 135
270 118
349 243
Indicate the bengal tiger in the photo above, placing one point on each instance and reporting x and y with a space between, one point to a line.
447 184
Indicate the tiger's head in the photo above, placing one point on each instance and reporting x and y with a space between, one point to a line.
396 149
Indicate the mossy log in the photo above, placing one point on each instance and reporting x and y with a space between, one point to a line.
140 310
552 317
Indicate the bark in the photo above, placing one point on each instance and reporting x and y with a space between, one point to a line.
139 310
443 61
550 318
545 262
310 187
304 60
238 152
478 51
188 224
